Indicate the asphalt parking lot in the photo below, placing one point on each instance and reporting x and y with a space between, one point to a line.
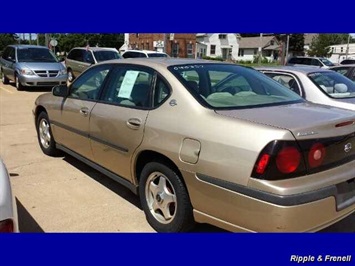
62 194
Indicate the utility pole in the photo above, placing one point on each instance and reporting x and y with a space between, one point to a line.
287 47
347 48
46 38
37 39
30 34
260 49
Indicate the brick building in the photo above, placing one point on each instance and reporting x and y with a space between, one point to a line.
177 45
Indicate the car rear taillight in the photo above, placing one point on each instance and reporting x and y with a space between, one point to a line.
7 226
316 155
279 160
288 159
262 164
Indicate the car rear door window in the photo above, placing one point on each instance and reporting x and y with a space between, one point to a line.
129 86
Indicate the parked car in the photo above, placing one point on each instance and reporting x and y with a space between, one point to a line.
206 142
31 66
346 70
8 210
143 54
348 62
80 58
317 85
310 61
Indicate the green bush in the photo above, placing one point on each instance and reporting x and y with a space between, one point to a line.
218 58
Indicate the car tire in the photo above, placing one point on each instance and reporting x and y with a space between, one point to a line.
4 79
165 199
45 136
18 84
71 76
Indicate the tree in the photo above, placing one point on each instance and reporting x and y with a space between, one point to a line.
7 39
296 44
320 44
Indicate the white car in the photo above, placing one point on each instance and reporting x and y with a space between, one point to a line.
143 54
8 209
317 85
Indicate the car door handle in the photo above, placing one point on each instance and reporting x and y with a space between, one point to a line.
84 111
134 123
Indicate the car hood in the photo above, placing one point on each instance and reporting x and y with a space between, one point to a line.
42 65
303 120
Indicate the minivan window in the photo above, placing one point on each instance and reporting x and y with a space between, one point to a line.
76 54
35 55
106 55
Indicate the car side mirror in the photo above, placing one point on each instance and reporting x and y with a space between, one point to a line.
60 90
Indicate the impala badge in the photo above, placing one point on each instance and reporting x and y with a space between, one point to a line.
347 147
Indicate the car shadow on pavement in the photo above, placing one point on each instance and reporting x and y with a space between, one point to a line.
27 224
124 192
33 89
104 180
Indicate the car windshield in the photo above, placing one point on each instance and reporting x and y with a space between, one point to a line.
326 62
35 55
157 55
333 84
106 55
227 86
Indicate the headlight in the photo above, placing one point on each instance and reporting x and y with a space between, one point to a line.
63 72
27 71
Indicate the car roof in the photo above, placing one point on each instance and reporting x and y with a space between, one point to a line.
145 51
27 46
96 48
343 66
309 57
294 69
163 61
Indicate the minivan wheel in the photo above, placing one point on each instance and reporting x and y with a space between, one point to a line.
18 84
4 79
164 199
44 134
70 75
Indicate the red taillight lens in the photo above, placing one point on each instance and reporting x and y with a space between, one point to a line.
7 226
288 159
262 164
316 155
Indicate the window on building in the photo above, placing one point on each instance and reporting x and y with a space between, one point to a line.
255 51
147 46
241 52
175 50
272 42
213 50
189 49
222 36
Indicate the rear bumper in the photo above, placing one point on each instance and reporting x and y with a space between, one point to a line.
238 208
35 81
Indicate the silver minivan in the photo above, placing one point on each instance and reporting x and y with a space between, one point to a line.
31 66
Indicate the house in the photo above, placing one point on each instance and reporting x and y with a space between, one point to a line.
176 45
339 52
308 38
249 48
217 45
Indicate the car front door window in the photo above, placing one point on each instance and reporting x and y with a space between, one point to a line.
88 86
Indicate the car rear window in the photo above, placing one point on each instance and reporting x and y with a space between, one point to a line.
106 55
157 55
333 84
227 86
